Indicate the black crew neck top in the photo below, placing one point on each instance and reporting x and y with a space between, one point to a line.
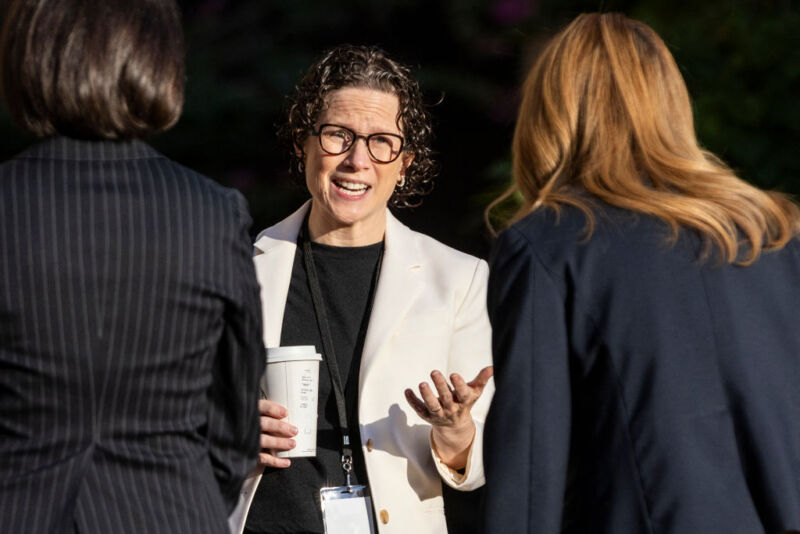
287 500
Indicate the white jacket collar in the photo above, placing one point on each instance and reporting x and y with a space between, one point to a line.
398 283
399 239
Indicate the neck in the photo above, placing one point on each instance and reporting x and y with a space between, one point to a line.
324 229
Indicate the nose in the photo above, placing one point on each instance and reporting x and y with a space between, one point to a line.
358 155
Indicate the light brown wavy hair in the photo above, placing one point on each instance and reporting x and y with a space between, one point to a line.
606 112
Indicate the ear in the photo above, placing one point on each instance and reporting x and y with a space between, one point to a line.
408 157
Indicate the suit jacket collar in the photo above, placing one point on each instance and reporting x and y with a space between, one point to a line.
398 283
67 148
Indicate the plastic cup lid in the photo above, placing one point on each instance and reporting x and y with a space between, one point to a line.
292 353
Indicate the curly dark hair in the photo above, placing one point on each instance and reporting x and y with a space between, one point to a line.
367 67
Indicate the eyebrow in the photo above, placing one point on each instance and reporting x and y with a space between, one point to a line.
400 133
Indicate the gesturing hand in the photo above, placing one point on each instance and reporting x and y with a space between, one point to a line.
449 412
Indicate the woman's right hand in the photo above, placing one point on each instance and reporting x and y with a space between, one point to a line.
275 434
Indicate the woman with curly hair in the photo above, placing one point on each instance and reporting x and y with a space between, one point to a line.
384 305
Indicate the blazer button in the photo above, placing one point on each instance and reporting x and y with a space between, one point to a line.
370 445
384 516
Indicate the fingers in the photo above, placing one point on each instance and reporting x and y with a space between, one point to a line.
272 409
275 434
430 399
274 427
442 402
443 389
468 393
417 404
268 460
276 443
271 425
463 393
483 377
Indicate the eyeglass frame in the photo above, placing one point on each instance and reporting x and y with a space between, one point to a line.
316 133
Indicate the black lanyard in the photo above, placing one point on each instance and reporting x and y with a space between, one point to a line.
327 342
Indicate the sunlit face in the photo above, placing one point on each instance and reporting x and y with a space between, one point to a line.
352 189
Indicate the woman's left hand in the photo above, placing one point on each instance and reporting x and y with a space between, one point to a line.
448 411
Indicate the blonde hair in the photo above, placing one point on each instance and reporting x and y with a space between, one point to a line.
606 112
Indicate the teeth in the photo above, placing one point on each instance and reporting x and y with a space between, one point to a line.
351 187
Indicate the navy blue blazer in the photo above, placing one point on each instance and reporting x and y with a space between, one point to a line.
130 343
639 390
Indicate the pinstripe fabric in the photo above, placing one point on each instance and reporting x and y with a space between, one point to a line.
130 343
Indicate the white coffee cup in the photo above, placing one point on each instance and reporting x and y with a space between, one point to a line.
292 380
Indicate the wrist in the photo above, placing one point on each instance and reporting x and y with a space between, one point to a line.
452 443
456 436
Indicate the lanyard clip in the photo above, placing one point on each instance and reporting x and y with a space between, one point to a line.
347 465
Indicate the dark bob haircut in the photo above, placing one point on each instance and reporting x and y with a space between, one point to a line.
370 68
108 69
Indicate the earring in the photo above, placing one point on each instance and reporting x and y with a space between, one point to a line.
402 183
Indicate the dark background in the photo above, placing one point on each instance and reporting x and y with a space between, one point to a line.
740 59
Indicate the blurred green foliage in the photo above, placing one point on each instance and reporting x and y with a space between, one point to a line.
740 58
741 62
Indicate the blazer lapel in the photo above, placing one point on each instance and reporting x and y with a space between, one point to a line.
398 287
398 283
273 255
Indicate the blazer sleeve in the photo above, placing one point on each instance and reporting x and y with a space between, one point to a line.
470 352
528 428
233 427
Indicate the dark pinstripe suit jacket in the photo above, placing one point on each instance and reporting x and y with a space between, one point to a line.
130 343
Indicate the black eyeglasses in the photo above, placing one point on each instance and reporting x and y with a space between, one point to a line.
382 147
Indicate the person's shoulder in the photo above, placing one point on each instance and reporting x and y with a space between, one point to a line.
446 266
548 225
451 270
204 190
10 169
547 233
442 254
564 236
568 223
19 167
196 179
794 245
286 229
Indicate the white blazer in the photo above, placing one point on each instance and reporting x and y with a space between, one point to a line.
429 313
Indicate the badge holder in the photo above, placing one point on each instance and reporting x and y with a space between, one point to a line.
347 509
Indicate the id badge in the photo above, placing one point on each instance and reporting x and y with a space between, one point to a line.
346 512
